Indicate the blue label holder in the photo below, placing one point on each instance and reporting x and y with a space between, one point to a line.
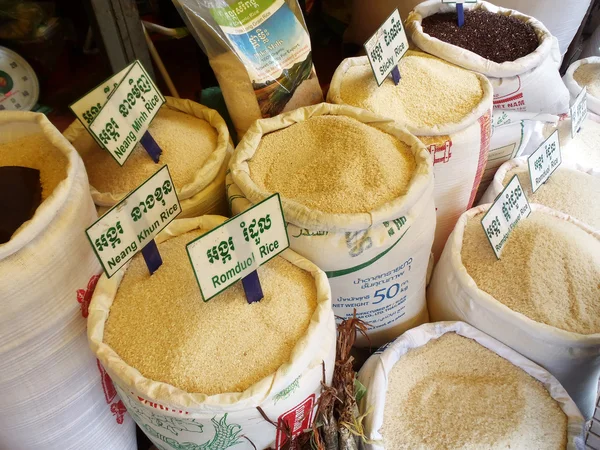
151 146
460 11
252 287
151 256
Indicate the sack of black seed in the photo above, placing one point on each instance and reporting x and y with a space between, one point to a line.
516 52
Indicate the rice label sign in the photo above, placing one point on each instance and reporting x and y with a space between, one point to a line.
544 161
118 112
505 213
134 222
238 247
578 111
386 47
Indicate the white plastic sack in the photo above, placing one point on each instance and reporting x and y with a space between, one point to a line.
571 357
376 261
374 375
496 186
173 418
561 17
206 194
52 394
593 103
531 83
459 150
510 136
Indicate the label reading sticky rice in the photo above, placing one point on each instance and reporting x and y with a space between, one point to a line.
231 251
273 46
544 161
385 48
135 221
578 111
505 213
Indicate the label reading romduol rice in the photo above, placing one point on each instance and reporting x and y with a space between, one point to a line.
578 111
231 251
544 161
386 47
135 221
273 46
507 210
126 114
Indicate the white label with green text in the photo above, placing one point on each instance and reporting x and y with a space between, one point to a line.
509 208
90 105
386 47
544 161
127 114
133 222
578 111
238 247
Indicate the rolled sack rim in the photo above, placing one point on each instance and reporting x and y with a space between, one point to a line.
538 330
130 379
51 207
468 59
483 107
204 176
420 188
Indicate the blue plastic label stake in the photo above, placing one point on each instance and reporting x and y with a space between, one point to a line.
151 256
252 288
460 11
396 75
151 146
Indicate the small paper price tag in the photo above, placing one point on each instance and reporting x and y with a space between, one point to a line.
544 161
238 247
135 221
386 47
578 111
507 210
124 117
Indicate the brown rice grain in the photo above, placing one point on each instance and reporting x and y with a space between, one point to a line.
186 141
160 325
333 164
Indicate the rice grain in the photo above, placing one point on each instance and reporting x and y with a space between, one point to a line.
333 164
453 393
160 324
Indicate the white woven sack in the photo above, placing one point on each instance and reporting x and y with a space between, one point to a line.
531 83
593 103
510 136
496 186
206 194
52 394
458 163
376 261
173 418
374 375
571 357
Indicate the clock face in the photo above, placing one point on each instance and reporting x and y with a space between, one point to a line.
19 88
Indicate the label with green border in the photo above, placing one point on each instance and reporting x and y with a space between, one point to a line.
234 249
578 111
505 213
135 221
544 161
